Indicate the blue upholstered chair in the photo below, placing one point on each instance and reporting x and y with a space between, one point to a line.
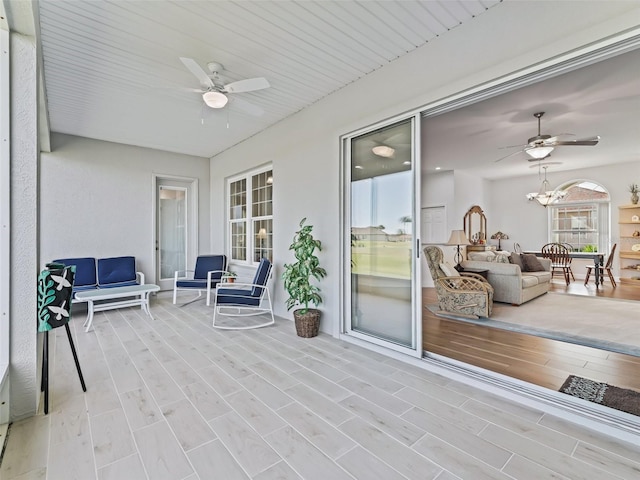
118 272
207 274
86 277
245 299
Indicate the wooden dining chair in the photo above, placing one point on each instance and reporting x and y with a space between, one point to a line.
560 260
606 268
570 248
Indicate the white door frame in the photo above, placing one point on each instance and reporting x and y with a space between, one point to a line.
346 329
192 212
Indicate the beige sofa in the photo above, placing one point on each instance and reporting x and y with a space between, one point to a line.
510 284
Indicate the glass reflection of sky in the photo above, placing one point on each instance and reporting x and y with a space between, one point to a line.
382 200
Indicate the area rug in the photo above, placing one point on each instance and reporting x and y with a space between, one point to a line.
615 397
604 323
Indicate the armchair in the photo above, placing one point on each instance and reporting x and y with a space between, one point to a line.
245 299
207 274
465 294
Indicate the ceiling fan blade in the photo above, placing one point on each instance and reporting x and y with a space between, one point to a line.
247 85
246 107
514 146
507 156
197 70
587 142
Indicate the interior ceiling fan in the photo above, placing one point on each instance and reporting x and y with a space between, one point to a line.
541 146
214 90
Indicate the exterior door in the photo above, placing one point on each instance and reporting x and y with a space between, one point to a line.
383 298
176 229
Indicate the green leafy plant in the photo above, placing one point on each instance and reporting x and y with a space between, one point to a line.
589 248
633 188
297 276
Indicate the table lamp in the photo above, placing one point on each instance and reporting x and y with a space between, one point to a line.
499 236
457 238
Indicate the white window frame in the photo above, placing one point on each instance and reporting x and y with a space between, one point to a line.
249 219
602 208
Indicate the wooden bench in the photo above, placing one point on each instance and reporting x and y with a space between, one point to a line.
105 299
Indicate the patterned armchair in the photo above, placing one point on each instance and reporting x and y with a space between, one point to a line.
465 294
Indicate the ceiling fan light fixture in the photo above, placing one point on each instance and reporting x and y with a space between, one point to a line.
215 99
383 151
539 152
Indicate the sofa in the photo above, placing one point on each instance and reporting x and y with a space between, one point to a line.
511 282
93 274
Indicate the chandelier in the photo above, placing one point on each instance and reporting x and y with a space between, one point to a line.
545 196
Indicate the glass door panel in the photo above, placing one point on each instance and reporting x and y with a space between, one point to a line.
172 231
382 249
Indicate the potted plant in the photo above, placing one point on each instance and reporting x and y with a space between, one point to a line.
229 276
297 281
633 188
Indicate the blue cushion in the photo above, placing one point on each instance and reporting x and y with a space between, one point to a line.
208 263
261 277
83 288
237 296
200 284
85 271
116 270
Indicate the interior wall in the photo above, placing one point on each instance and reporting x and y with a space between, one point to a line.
305 149
96 199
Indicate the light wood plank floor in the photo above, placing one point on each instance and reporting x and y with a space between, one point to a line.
540 361
172 398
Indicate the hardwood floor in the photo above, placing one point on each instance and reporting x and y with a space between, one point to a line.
533 359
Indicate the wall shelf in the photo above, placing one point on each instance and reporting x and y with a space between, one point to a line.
628 258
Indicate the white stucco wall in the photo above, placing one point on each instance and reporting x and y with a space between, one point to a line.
24 231
97 199
305 148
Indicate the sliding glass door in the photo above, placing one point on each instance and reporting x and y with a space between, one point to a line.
383 271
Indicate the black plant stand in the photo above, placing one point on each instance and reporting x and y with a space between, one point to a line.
44 384
55 287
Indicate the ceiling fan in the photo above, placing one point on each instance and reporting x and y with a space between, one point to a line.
541 146
215 92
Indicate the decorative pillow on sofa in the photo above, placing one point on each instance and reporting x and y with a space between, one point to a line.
448 270
502 257
516 259
482 256
531 263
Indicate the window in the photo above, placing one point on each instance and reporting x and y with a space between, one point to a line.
581 218
250 200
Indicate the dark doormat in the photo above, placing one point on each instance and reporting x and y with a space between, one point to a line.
615 397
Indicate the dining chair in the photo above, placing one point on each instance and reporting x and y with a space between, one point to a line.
606 268
560 260
570 248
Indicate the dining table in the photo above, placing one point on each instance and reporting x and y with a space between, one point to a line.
597 257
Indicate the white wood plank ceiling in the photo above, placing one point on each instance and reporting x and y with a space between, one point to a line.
112 68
